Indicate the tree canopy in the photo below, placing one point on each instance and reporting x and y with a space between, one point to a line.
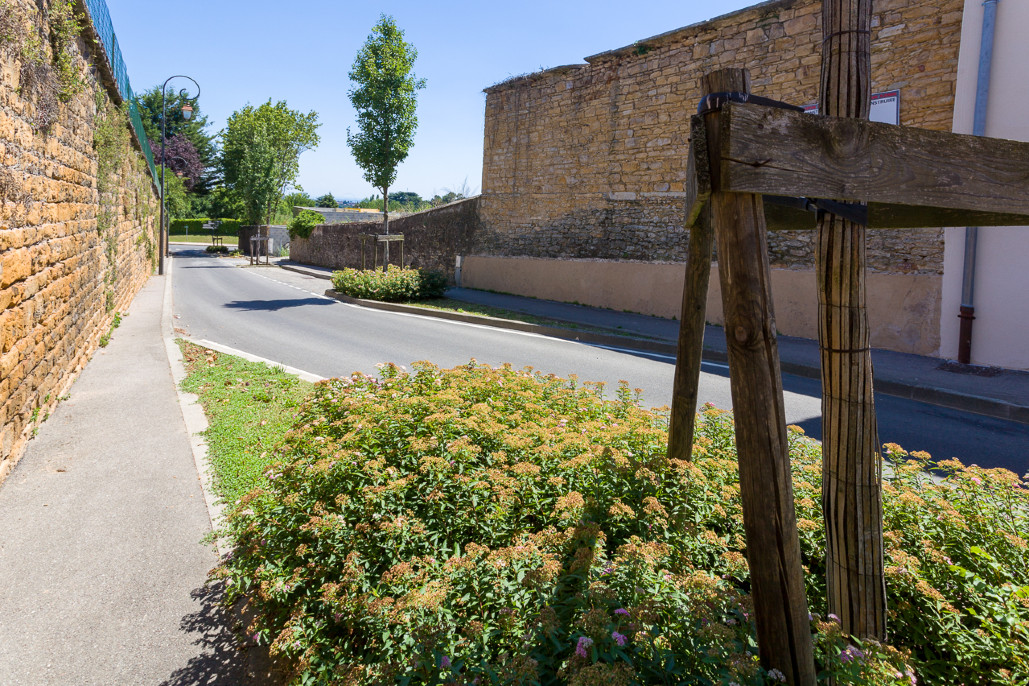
327 201
385 97
194 130
261 149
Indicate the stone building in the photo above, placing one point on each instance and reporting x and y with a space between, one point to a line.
584 167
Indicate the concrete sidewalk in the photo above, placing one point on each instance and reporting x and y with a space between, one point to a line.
999 393
101 559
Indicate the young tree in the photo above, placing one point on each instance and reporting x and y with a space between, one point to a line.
261 149
385 97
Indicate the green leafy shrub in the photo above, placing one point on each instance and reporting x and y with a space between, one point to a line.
392 285
484 525
304 223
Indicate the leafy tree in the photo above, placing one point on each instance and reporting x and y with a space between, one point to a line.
385 97
261 149
298 198
405 198
327 201
194 130
176 200
181 159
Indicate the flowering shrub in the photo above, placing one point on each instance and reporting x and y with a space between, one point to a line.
482 525
394 285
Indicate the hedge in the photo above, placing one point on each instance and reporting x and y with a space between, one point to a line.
195 227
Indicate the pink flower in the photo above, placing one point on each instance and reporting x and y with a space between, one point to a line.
976 480
851 652
619 638
583 646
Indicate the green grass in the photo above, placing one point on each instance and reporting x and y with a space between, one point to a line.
461 307
249 406
203 238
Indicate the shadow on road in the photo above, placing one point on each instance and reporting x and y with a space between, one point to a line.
275 305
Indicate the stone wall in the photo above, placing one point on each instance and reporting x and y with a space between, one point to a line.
588 161
77 220
432 240
341 215
278 235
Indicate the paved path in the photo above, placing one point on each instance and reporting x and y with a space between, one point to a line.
102 568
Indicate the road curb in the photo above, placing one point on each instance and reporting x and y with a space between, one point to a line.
989 407
643 344
192 415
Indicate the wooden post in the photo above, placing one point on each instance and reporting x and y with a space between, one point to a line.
766 486
852 462
686 386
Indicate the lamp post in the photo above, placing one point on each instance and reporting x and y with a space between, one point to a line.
187 114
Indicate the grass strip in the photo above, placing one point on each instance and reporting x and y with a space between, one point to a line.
202 238
249 406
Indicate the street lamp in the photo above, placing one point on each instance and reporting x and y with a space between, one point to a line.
187 114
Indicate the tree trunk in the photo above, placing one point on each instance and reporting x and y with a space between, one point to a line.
852 461
385 224
766 484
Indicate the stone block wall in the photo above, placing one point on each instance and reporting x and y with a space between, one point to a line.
78 215
278 234
432 240
588 161
341 215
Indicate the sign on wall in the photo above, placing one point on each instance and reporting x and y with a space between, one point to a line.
885 107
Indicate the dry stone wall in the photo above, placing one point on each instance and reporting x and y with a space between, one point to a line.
77 216
588 161
432 240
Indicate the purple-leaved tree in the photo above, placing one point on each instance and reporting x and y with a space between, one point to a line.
181 158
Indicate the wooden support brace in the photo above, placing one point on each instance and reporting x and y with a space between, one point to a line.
766 484
686 385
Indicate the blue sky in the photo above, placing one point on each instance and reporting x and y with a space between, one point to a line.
301 52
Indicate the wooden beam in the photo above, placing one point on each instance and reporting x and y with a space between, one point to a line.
692 322
779 152
880 216
686 384
698 172
766 484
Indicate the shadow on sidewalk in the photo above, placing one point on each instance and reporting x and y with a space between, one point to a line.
221 662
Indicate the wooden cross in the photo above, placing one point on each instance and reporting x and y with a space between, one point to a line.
742 156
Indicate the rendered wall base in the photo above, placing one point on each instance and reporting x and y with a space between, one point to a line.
904 309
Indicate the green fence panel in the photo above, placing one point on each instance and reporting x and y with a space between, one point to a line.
100 17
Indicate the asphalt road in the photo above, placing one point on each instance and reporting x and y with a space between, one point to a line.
284 316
